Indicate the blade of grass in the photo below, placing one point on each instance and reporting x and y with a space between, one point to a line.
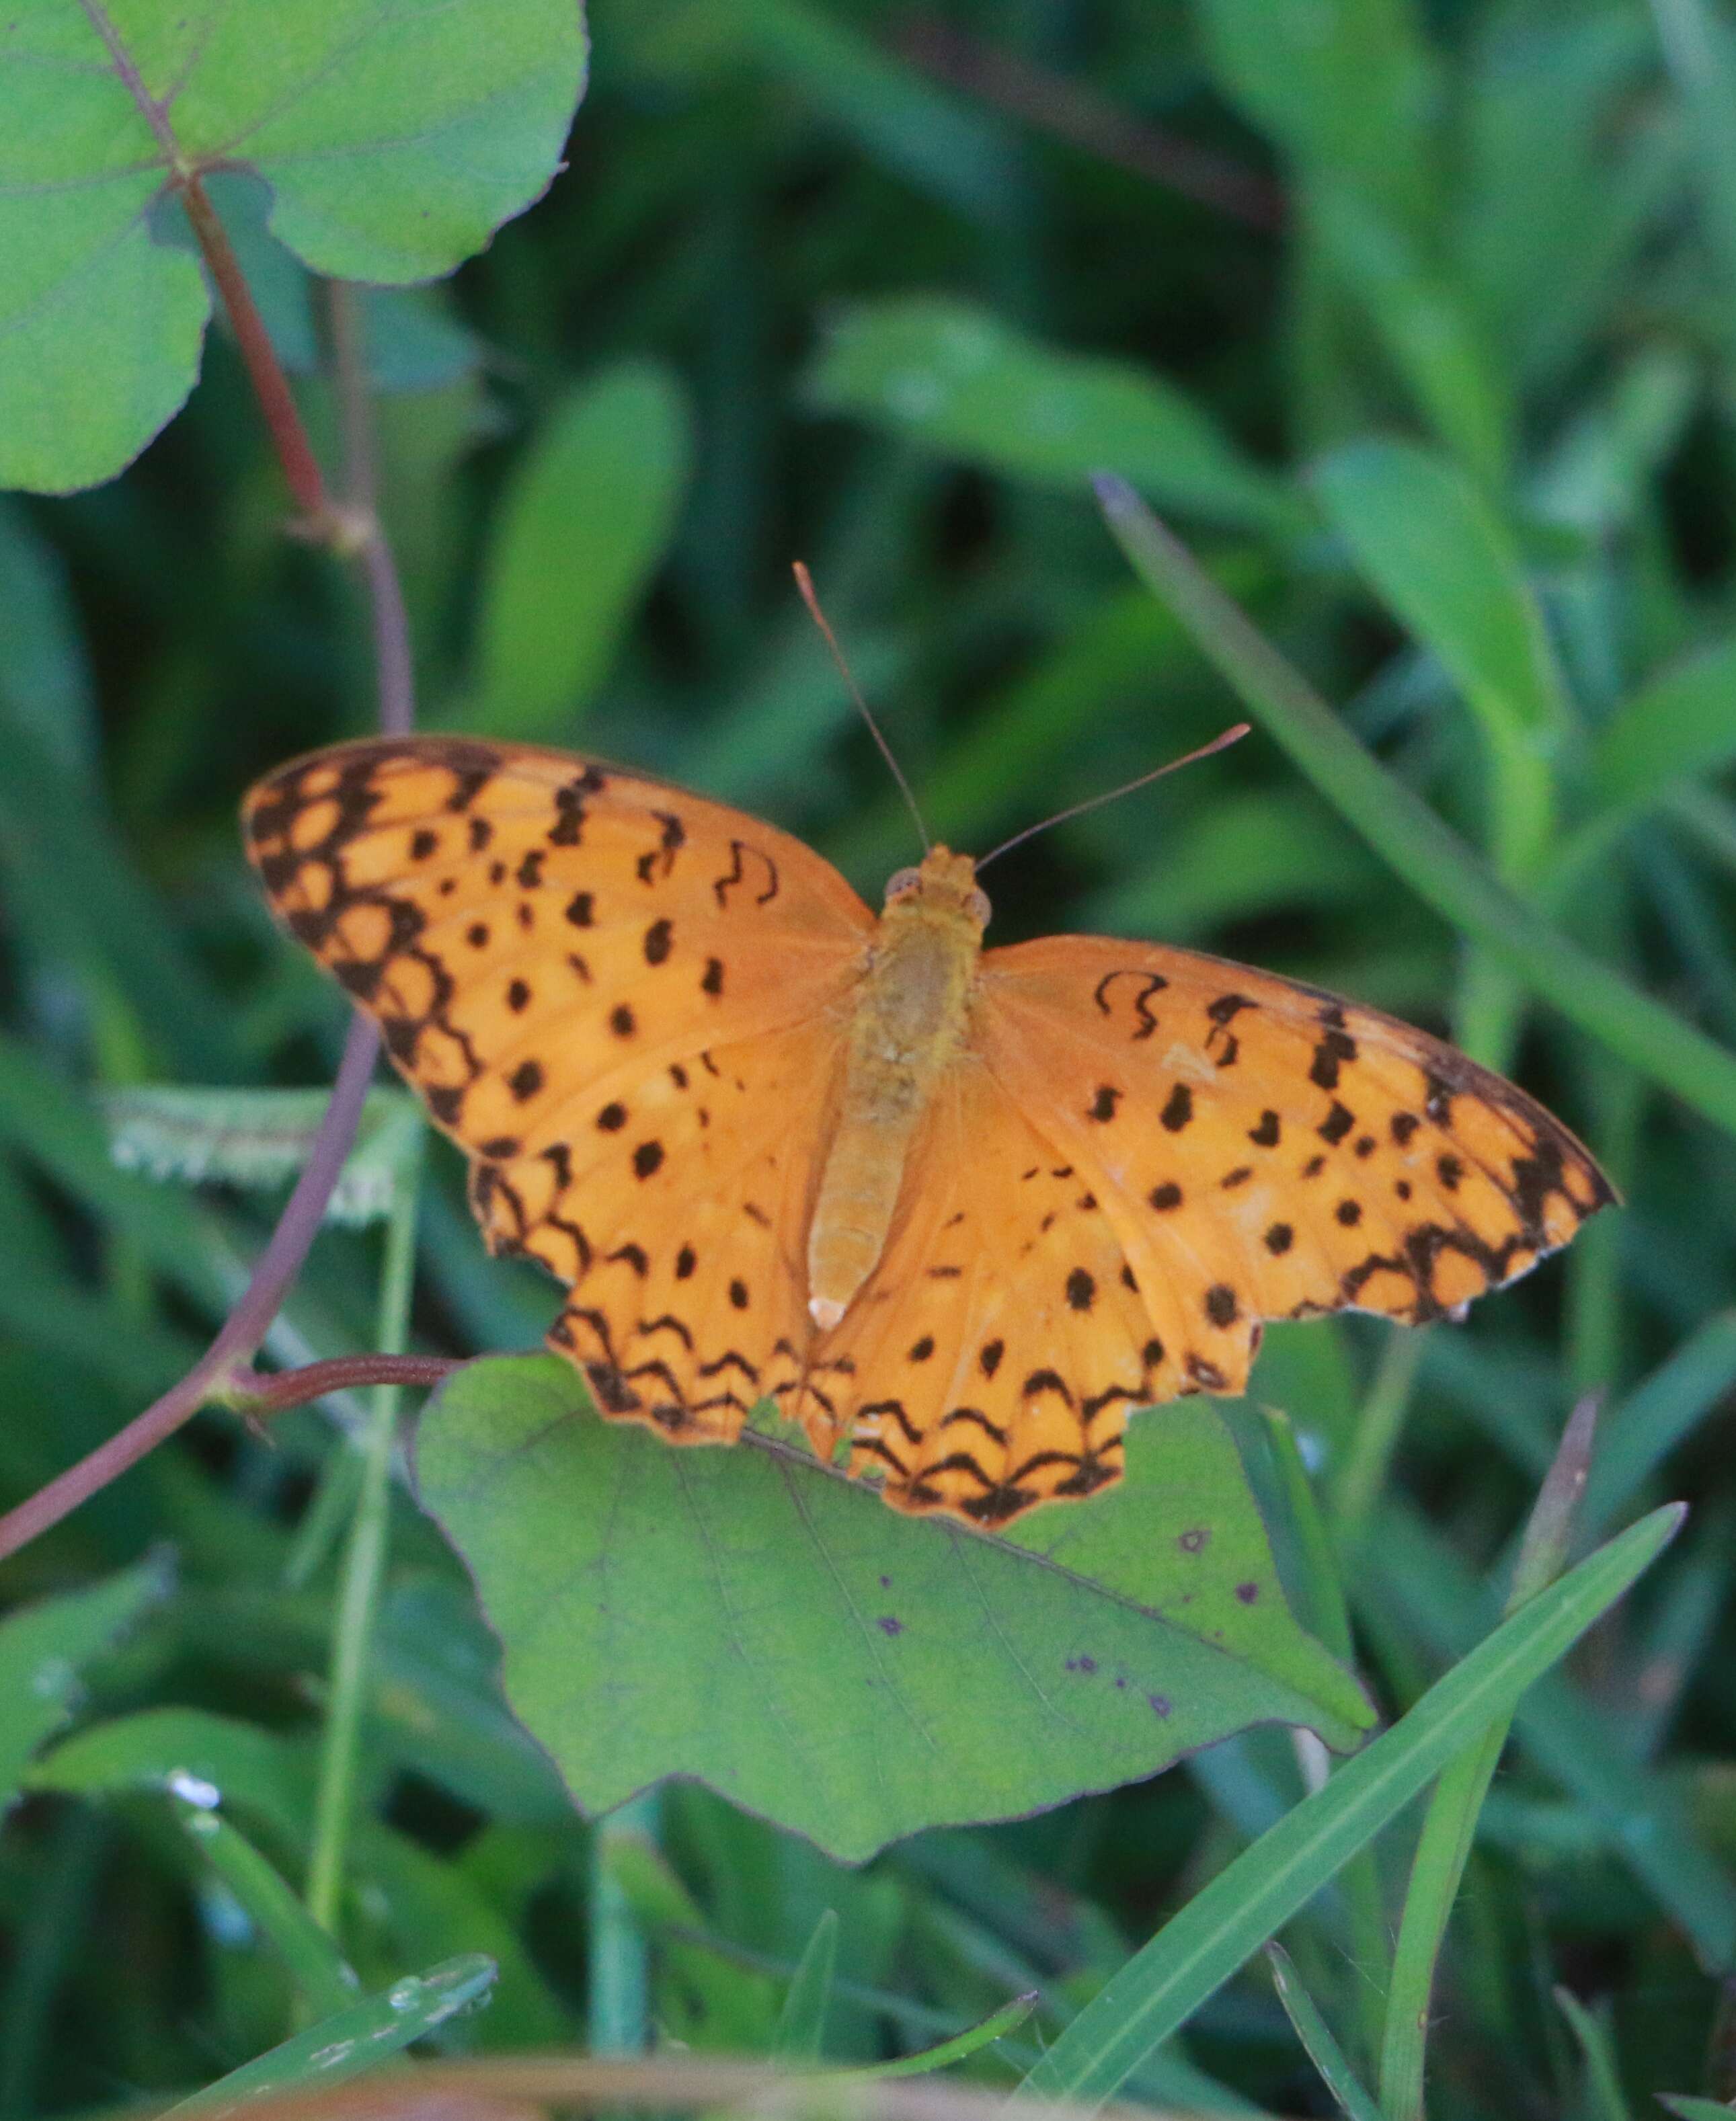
1604 2100
1664 1408
1161 1986
314 1963
1412 1576
1402 829
803 2020
357 2038
996 2026
1449 1826
45 1947
1316 2036
1445 562
1324 1610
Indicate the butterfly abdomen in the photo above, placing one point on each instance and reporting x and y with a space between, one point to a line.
908 1027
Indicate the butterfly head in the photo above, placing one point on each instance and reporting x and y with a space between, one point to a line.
944 888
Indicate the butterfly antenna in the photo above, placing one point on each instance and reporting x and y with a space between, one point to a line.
1218 743
804 583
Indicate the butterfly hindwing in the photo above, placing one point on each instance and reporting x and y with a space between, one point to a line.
990 1361
688 1303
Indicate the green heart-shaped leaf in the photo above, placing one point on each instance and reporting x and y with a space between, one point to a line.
395 139
750 1618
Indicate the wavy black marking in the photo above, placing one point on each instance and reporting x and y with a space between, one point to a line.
895 1408
723 885
975 1413
667 1323
731 1359
1154 983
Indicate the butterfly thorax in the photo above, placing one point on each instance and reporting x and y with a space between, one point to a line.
907 1027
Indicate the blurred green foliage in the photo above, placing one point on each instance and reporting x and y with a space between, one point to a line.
1418 323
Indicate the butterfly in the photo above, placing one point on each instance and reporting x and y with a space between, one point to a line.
956 1212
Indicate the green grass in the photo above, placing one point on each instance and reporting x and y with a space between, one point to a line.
1432 476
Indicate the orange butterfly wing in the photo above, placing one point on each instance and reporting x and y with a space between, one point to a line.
623 1002
989 1362
1272 1150
1146 1152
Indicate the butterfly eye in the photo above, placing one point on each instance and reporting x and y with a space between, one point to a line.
903 883
978 907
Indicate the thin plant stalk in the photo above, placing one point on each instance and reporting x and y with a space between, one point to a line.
1437 1869
618 1998
1360 1476
1449 1826
364 1572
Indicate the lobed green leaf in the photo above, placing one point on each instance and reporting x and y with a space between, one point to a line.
393 142
757 1621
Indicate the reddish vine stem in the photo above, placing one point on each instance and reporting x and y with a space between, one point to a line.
240 1332
352 532
271 385
264 1392
395 672
1062 108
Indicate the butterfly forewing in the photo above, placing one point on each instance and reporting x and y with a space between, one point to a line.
561 955
1270 1151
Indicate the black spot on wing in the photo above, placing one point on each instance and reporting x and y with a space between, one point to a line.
1334 1050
